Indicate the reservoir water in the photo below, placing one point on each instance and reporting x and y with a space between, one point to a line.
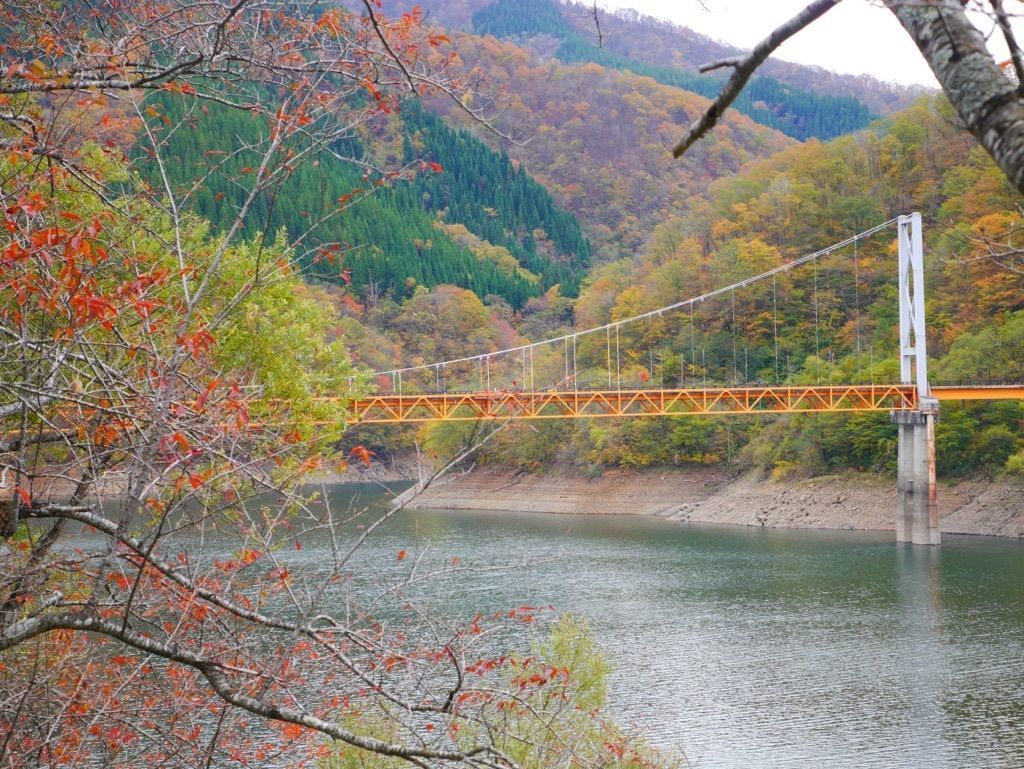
751 648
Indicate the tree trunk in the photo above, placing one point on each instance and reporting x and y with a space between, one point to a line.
987 102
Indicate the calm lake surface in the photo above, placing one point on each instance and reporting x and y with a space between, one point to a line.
752 648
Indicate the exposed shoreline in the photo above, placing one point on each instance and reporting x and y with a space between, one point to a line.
709 495
852 501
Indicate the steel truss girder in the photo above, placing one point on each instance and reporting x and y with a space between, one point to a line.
571 404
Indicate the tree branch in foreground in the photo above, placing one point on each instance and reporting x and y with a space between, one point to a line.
216 673
744 67
990 106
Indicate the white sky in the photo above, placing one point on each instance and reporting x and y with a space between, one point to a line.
854 37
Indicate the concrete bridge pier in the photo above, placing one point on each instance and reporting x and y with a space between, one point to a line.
917 511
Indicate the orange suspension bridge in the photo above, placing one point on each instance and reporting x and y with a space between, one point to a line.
594 373
393 408
506 384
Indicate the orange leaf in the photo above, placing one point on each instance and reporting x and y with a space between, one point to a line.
401 555
118 579
363 453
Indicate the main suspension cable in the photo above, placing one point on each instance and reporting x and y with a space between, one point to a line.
812 257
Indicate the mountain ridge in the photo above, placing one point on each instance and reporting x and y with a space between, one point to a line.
659 42
665 43
601 139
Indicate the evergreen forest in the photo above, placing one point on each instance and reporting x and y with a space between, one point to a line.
394 238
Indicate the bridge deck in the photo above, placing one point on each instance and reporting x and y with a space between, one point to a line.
993 392
568 404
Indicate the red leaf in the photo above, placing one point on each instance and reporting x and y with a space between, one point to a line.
210 387
26 498
363 453
182 442
119 579
401 555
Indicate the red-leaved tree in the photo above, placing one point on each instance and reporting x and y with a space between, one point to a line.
163 387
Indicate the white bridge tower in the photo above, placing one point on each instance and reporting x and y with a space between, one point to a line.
917 513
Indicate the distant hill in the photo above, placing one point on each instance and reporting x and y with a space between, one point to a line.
796 112
672 54
662 43
599 139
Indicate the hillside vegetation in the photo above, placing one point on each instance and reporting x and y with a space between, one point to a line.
794 111
599 139
390 241
836 322
661 43
645 39
486 244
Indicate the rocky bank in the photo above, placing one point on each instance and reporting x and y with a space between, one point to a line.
707 495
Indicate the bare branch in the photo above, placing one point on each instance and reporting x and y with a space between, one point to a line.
744 68
216 673
732 61
597 25
387 46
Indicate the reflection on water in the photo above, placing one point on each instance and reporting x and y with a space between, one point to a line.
761 648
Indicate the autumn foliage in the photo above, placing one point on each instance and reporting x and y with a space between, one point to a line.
163 389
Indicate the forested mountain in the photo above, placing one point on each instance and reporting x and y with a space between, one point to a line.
464 260
494 198
795 112
664 44
395 238
836 320
600 139
797 99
